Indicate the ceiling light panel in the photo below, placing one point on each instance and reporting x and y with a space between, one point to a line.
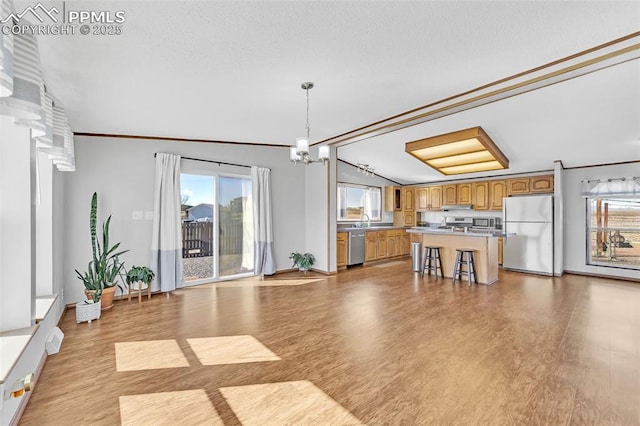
464 151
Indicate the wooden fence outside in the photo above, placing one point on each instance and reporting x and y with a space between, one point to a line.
197 239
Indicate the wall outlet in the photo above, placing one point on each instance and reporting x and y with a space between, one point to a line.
136 215
148 215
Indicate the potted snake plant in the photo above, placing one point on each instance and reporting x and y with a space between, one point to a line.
105 267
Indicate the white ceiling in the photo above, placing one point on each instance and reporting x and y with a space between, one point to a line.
232 71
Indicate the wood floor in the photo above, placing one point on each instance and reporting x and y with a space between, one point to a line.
374 345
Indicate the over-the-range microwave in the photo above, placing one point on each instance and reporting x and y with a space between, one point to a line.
487 222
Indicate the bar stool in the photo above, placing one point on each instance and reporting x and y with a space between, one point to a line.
432 254
458 271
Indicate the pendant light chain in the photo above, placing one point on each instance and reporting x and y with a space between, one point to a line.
308 126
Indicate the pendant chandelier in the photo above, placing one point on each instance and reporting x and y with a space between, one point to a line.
300 152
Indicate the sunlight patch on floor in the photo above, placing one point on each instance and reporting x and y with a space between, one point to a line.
286 403
230 350
256 282
190 407
149 355
388 264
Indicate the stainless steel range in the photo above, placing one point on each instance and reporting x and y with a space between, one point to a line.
458 223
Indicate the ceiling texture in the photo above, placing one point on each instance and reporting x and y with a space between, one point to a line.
231 71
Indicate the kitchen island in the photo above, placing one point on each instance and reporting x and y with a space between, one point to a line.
485 245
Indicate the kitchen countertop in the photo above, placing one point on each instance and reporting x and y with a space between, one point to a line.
471 233
372 228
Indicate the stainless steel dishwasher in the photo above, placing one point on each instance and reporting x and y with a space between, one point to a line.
356 248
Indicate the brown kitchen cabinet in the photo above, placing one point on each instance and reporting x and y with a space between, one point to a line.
342 248
381 244
388 198
409 201
449 194
409 219
370 246
518 186
463 193
480 195
435 197
405 243
422 199
392 244
500 246
532 185
541 184
497 191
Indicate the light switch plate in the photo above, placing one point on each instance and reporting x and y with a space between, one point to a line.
136 215
148 215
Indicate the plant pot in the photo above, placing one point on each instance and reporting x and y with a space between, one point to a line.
106 300
107 297
87 312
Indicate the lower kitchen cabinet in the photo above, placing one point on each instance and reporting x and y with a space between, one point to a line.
381 245
386 244
342 248
405 243
500 245
392 244
370 246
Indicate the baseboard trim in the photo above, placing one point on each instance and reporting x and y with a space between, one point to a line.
611 277
23 403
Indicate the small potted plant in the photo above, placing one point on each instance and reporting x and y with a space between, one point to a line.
139 278
89 309
303 261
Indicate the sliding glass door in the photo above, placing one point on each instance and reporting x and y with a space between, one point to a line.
217 226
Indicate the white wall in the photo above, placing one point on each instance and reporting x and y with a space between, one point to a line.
317 200
349 174
17 226
59 234
121 171
575 211
44 227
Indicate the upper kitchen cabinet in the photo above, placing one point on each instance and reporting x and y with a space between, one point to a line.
435 198
463 193
497 191
480 195
541 184
392 198
449 194
518 186
422 199
408 195
532 185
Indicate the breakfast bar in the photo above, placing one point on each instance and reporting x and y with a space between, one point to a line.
485 245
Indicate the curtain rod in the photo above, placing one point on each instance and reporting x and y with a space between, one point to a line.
219 163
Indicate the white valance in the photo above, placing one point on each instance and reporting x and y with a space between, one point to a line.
24 97
613 187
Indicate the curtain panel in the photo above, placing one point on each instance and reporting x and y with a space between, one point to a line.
264 263
166 239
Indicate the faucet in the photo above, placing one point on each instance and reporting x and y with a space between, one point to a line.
368 220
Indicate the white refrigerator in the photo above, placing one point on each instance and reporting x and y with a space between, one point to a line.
530 218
